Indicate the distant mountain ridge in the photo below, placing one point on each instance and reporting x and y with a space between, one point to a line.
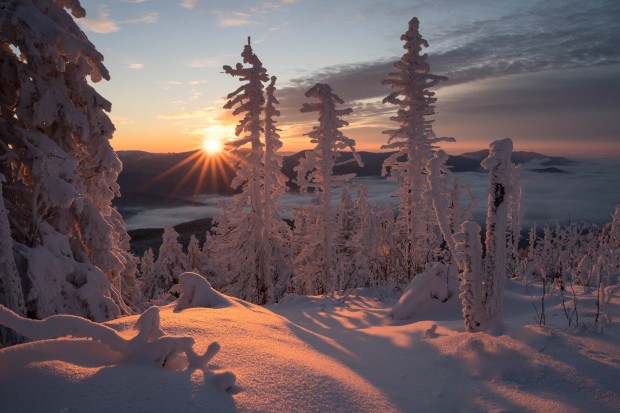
520 157
158 180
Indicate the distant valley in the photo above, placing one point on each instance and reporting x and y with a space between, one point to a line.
170 181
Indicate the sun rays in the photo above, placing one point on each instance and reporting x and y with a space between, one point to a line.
207 168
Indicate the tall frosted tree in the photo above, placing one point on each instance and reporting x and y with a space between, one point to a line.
69 243
277 233
249 248
317 268
413 142
501 190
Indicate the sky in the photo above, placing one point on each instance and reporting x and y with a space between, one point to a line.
545 73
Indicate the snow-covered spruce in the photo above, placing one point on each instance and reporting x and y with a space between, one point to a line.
250 239
70 244
316 265
11 293
413 143
171 262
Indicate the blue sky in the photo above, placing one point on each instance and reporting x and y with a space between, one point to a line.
546 73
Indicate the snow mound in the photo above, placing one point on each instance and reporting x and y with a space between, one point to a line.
437 282
196 291
95 347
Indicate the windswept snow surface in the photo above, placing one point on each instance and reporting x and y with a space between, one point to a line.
336 354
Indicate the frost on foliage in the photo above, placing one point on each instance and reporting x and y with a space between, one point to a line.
196 291
432 283
251 241
317 265
468 253
11 293
501 188
151 345
606 270
59 166
437 194
413 143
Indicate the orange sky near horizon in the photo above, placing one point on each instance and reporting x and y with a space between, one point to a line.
507 75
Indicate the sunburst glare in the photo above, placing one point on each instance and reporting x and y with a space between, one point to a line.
212 146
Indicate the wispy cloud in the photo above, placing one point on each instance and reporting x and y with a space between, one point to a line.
549 37
119 120
171 82
188 4
135 65
148 18
234 22
134 1
202 113
232 19
203 62
101 22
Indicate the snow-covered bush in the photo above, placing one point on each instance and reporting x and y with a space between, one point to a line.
431 284
196 291
482 280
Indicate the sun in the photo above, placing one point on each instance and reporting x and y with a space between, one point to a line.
212 146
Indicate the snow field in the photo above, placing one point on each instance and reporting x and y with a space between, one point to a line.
338 354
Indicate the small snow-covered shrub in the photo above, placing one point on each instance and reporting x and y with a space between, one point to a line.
196 291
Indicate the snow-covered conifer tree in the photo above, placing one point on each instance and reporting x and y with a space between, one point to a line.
250 248
277 233
195 256
11 293
369 244
413 143
348 225
317 268
171 262
148 274
59 166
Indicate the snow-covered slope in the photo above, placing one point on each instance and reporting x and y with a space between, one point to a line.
334 354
